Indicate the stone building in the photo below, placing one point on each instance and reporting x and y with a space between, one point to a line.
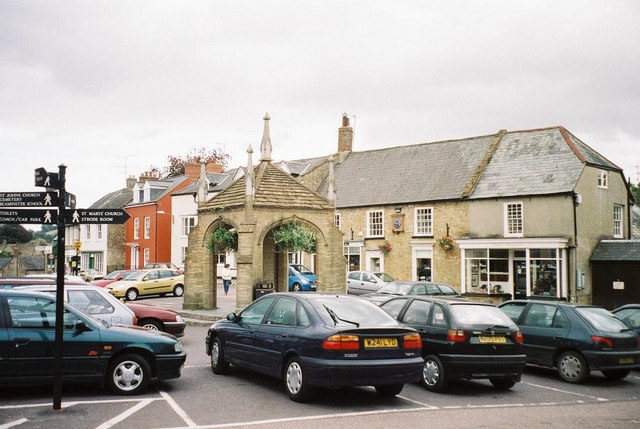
265 198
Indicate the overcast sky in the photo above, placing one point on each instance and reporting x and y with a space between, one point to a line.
109 88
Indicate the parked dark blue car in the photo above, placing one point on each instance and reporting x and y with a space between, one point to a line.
575 339
311 340
123 359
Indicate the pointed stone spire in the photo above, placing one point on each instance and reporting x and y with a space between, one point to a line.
331 193
203 183
249 186
265 146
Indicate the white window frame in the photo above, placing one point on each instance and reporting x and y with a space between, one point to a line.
136 228
423 221
147 227
375 224
337 219
510 222
603 179
618 217
147 259
87 232
186 224
99 232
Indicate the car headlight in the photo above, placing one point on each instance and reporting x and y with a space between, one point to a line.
177 347
179 318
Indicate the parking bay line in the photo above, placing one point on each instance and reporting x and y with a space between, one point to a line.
14 423
566 391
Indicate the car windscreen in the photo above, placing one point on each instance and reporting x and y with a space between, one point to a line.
302 269
385 277
351 312
602 319
472 314
395 288
136 275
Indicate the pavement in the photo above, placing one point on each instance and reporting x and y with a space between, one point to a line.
226 305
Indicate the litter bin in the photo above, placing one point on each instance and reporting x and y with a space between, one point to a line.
258 292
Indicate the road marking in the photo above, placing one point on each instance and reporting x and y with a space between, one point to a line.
427 406
12 424
110 423
179 411
567 391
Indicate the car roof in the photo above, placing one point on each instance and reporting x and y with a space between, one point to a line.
626 306
54 287
18 292
443 299
37 280
551 301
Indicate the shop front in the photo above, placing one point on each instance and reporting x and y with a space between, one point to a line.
518 268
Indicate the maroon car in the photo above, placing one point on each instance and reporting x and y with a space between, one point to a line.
113 276
158 318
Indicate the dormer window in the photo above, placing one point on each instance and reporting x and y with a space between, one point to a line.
603 179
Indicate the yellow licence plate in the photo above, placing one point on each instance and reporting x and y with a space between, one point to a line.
380 342
625 360
492 340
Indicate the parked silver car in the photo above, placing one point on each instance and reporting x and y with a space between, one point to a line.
361 282
91 300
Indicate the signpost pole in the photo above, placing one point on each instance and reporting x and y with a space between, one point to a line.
57 370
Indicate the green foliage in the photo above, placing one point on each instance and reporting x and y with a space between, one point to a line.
295 237
177 164
17 234
222 240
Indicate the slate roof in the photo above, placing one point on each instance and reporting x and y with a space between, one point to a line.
517 163
32 263
217 182
422 172
273 188
162 187
617 250
534 162
114 200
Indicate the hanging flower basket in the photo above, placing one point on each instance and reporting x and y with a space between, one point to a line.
295 237
385 247
446 243
222 241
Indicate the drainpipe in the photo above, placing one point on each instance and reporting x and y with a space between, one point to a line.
577 199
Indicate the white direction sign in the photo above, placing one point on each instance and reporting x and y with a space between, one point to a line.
28 199
29 216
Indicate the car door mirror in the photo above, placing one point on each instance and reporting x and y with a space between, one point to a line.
232 317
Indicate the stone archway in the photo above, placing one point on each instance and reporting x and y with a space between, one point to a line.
275 262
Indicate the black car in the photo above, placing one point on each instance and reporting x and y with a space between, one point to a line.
575 339
462 339
630 315
123 359
401 287
311 340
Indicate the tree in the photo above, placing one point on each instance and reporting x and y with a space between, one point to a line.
177 164
15 234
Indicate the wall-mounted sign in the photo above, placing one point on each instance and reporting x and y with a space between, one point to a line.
618 285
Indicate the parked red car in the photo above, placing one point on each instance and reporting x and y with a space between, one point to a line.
113 276
158 319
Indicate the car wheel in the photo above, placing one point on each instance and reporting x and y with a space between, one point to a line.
572 367
150 324
389 390
296 287
616 374
218 364
178 290
132 294
502 383
296 383
434 378
128 374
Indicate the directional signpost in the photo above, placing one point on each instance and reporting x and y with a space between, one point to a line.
96 216
55 206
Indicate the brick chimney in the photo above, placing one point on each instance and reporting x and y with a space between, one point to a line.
345 135
192 169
